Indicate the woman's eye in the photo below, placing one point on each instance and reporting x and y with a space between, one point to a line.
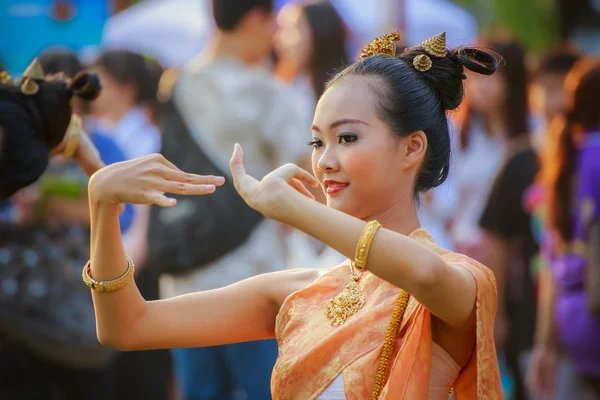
346 138
316 143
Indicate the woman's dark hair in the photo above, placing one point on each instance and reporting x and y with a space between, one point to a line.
515 110
60 61
128 68
328 43
34 124
558 164
411 101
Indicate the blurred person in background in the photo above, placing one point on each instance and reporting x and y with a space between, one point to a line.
511 248
77 211
226 96
310 44
495 114
25 153
570 299
125 112
45 333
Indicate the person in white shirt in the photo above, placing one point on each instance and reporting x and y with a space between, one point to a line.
226 96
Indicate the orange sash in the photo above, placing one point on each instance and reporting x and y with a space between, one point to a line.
312 353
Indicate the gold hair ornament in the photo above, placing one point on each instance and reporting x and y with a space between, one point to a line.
383 45
33 71
436 45
422 62
73 136
5 78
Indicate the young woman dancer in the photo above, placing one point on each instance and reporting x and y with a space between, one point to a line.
402 318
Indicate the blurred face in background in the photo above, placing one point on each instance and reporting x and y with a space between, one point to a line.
293 37
115 98
258 28
547 95
487 93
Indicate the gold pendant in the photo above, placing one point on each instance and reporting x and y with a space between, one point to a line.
347 303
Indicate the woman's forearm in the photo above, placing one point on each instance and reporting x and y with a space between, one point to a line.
116 312
393 257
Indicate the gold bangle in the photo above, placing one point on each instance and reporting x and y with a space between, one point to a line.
364 244
108 286
73 136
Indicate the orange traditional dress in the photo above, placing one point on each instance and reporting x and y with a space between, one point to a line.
312 353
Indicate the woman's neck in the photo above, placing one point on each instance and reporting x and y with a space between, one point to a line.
400 217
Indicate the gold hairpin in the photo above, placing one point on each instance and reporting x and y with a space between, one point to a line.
74 132
4 77
384 45
436 45
33 71
422 62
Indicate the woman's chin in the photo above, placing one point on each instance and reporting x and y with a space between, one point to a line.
341 205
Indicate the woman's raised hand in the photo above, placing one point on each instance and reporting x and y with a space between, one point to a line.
145 181
270 195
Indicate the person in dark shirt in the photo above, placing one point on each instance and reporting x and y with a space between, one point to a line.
507 221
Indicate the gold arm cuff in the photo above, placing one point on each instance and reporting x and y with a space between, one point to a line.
108 286
364 244
73 136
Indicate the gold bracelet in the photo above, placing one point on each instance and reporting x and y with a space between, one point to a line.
73 136
364 244
108 286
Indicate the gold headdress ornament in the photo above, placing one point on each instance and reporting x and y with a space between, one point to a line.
33 71
4 77
73 134
434 46
384 45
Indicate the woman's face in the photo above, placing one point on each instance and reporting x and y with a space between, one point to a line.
487 93
360 163
293 37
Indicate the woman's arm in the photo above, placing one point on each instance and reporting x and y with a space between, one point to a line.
241 312
447 291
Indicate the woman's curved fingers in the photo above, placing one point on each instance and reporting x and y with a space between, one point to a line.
303 175
188 189
243 182
299 186
180 176
159 199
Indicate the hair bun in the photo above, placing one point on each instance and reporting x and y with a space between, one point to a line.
478 60
86 85
446 74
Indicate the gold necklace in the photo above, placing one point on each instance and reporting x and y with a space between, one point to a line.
347 303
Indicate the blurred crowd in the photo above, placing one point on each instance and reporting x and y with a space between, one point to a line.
519 141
